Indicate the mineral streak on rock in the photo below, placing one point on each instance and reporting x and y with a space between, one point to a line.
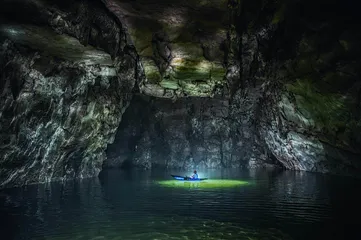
219 84
181 44
63 93
290 93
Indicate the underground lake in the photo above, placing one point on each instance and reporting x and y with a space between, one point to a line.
102 101
147 205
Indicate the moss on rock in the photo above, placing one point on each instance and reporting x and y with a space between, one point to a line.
141 32
329 111
187 50
191 70
218 72
169 84
146 52
151 70
179 40
196 88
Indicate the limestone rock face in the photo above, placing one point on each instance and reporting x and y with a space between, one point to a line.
310 109
181 44
62 91
293 85
188 133
219 84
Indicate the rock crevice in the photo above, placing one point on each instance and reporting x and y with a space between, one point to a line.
292 91
181 44
219 84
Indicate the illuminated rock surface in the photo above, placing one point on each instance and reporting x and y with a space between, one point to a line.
61 101
189 133
293 98
181 44
222 84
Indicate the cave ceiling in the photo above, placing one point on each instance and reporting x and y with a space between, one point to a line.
181 44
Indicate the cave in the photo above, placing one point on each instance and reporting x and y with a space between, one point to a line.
93 86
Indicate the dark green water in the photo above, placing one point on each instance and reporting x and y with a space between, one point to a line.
120 205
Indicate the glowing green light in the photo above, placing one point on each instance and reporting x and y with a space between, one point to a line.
214 183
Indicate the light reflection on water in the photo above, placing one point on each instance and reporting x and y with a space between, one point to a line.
133 205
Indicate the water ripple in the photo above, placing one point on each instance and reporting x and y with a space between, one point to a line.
118 207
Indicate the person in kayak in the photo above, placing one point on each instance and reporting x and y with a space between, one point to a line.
195 175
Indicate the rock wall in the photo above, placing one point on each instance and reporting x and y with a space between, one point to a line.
187 133
67 75
293 96
216 132
309 110
238 84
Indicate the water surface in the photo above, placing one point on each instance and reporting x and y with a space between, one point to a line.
134 205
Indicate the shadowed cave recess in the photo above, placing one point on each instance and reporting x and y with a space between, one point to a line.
89 85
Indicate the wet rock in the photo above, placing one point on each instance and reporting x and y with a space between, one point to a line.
237 84
62 95
293 138
187 133
180 43
292 96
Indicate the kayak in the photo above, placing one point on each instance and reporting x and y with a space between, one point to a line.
181 178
